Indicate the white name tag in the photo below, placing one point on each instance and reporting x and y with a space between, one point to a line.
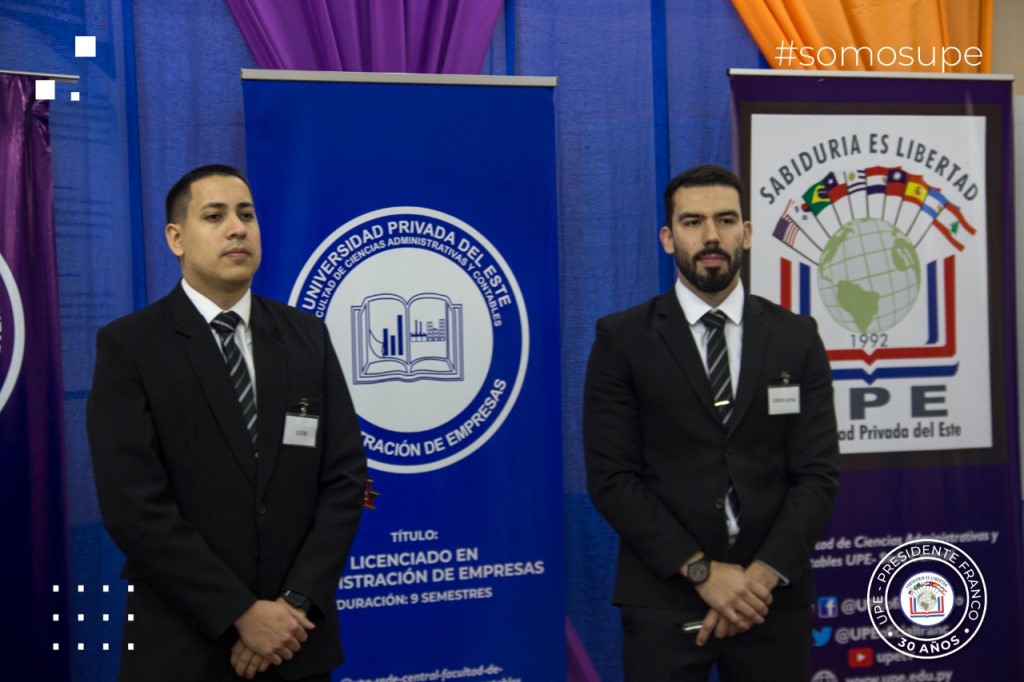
784 399
300 430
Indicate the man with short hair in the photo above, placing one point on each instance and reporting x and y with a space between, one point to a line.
228 460
711 448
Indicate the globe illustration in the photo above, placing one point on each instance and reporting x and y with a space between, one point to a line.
869 275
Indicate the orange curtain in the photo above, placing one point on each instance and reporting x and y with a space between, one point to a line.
954 36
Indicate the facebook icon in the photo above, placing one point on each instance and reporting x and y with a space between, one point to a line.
828 607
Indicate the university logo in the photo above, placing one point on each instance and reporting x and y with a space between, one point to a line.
927 599
941 597
12 333
429 322
876 226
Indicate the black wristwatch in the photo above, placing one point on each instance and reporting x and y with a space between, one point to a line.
297 600
699 570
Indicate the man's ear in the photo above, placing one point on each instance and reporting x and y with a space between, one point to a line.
173 234
665 236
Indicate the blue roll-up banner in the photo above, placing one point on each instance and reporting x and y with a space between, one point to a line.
416 216
883 207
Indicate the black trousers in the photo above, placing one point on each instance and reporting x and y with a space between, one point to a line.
655 648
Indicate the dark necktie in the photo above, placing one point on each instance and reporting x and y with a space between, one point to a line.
718 363
224 324
721 389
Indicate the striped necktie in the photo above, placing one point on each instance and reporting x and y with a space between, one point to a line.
718 363
224 324
721 388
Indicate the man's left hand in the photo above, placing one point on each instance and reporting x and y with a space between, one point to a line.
247 662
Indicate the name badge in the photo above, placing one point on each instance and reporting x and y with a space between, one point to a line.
784 399
300 430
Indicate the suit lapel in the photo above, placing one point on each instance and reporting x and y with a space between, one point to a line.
673 328
756 335
271 383
212 375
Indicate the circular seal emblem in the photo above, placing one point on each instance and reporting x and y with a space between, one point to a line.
430 326
927 598
12 333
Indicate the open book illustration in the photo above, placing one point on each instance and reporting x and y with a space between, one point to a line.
398 340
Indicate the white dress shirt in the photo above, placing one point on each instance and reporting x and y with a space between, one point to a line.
243 332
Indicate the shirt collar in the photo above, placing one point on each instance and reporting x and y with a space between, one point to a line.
209 310
694 307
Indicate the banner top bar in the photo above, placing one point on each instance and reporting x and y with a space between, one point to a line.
418 78
872 74
63 77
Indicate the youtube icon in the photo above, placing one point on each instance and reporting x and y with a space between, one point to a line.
861 657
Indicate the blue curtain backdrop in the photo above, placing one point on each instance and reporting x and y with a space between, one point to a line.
642 94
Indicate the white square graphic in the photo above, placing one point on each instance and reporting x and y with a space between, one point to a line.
56 646
46 89
81 646
75 96
81 617
56 617
85 46
106 646
106 617
131 646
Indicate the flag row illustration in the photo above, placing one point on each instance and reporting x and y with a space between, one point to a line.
878 192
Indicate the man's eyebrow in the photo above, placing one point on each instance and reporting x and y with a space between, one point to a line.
720 214
222 205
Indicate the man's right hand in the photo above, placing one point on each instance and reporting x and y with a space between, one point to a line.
735 596
273 630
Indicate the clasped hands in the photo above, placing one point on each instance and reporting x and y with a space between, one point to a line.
738 598
270 632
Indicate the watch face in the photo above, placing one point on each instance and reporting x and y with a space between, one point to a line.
296 600
697 572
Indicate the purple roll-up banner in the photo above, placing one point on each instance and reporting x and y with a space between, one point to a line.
32 500
882 206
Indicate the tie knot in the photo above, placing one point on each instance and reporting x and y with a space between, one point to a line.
225 323
713 319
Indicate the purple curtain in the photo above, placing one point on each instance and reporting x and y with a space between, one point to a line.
403 36
33 527
579 668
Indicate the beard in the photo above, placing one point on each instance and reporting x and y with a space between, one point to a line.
714 279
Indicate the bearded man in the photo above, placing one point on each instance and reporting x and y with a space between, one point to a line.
711 448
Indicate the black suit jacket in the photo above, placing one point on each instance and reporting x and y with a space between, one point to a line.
206 527
659 461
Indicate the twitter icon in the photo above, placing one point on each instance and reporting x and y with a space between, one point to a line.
821 635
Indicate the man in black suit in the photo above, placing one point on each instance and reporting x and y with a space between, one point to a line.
228 460
718 495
